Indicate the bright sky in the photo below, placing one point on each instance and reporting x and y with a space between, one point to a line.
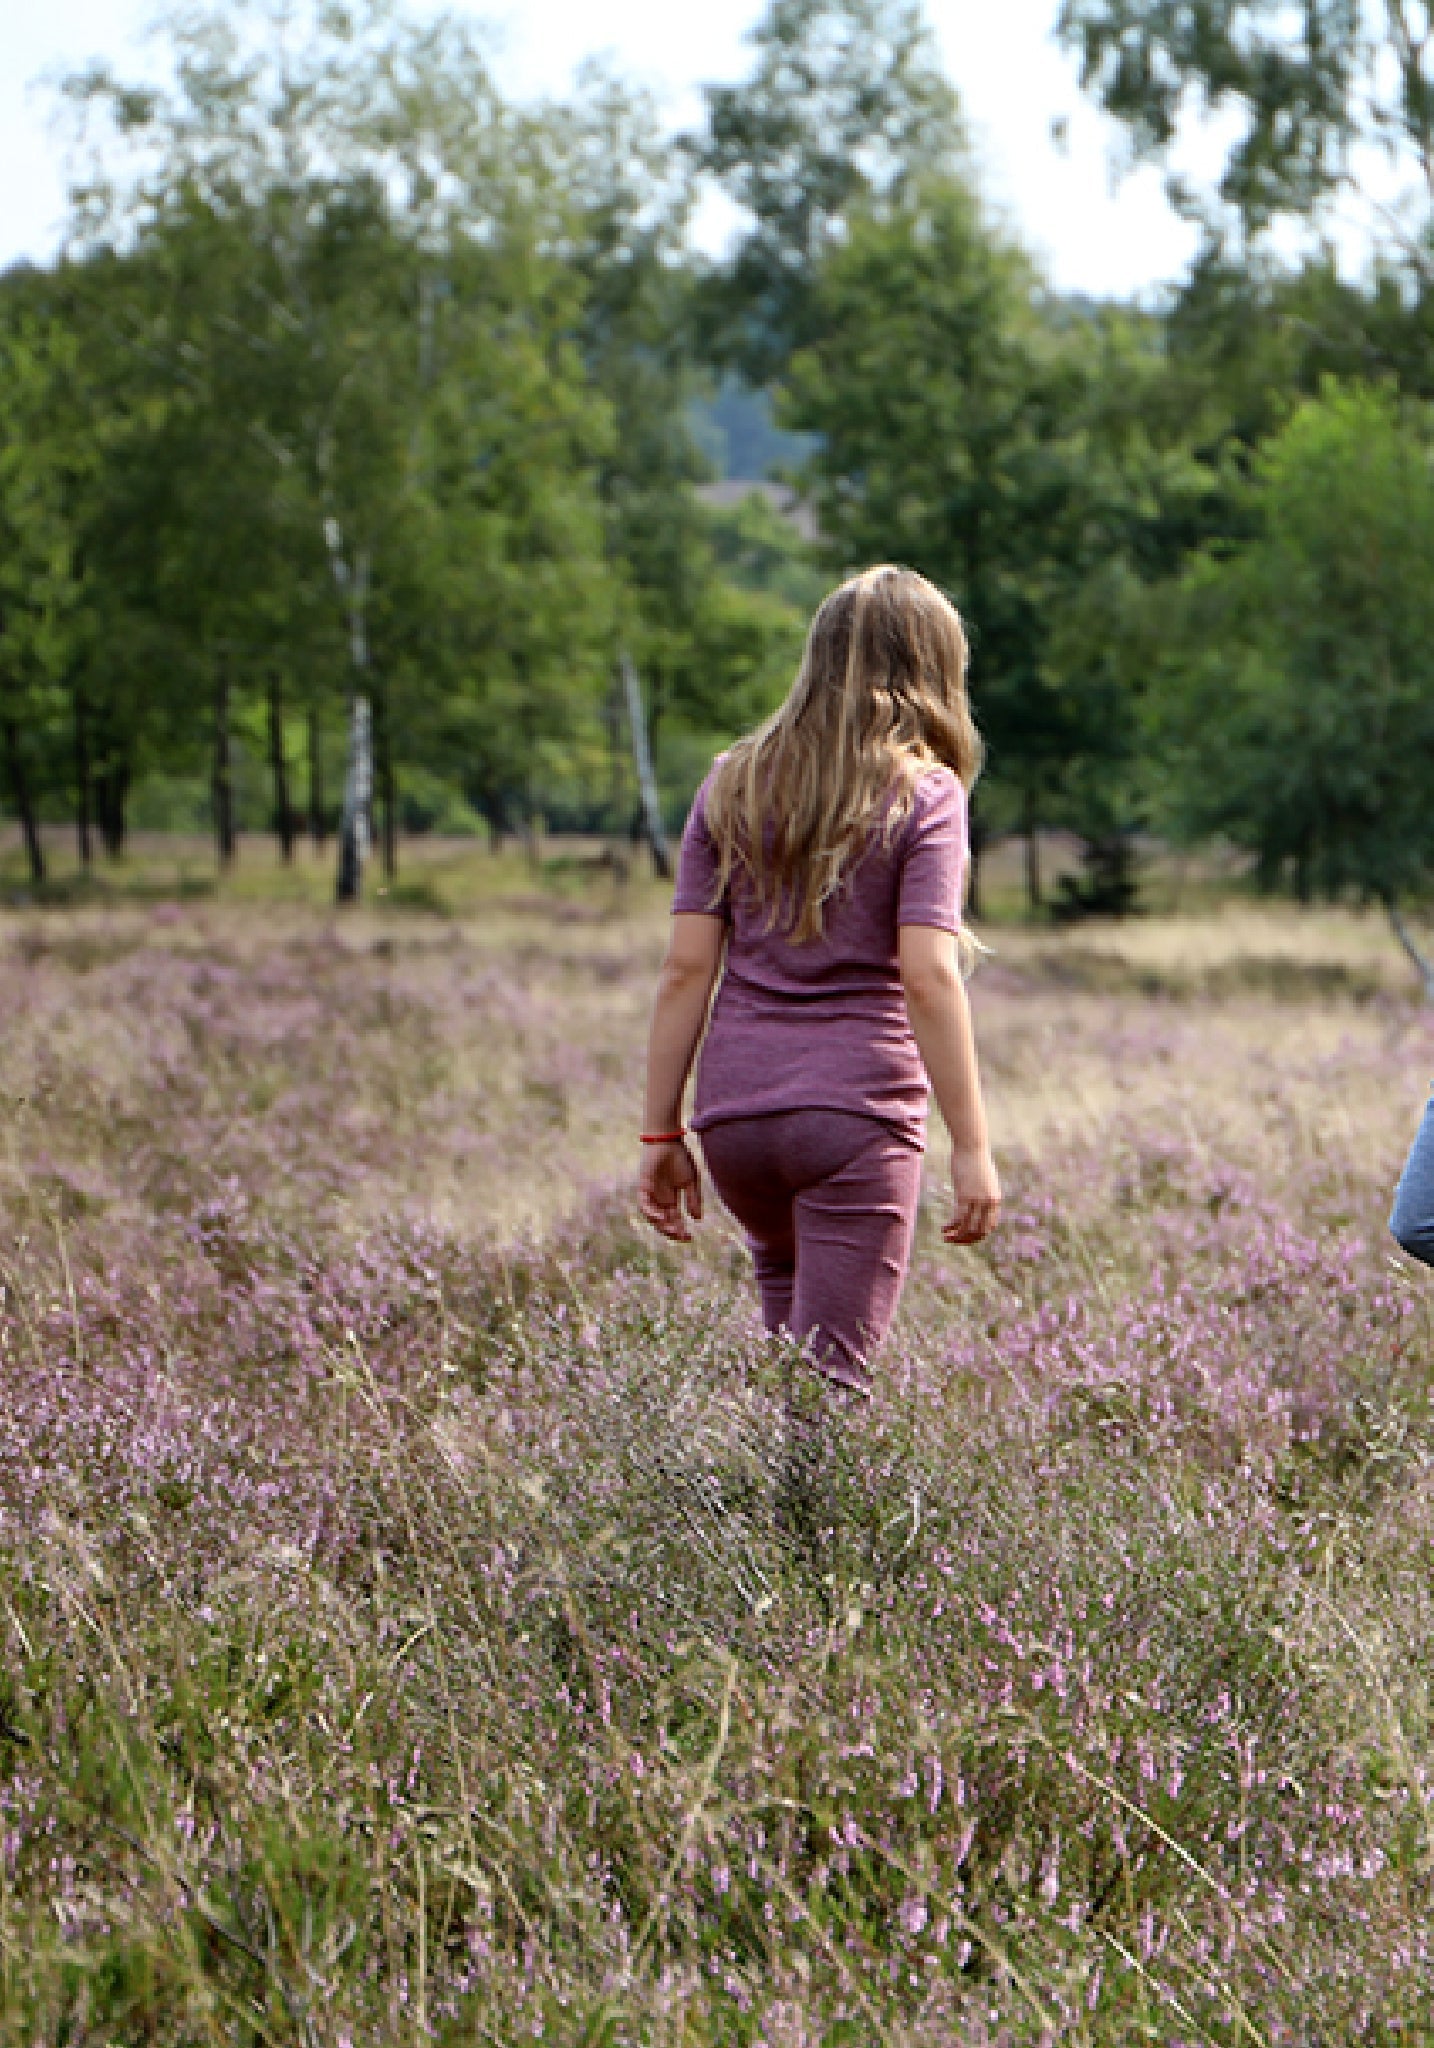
1091 231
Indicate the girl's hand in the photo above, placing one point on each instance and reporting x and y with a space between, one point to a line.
668 1183
975 1196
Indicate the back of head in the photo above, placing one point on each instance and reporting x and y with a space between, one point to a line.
880 696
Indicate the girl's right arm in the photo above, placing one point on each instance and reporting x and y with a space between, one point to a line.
941 1021
670 1187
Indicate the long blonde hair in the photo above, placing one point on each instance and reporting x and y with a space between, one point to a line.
880 696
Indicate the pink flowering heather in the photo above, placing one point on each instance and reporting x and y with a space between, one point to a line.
409 1631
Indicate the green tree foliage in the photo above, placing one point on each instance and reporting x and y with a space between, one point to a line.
409 373
1300 91
846 107
362 290
366 401
1294 705
713 650
1032 457
65 444
1016 453
40 581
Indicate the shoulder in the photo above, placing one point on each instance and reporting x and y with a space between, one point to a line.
697 810
939 784
938 803
713 776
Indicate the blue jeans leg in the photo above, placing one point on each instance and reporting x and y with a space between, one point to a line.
1412 1217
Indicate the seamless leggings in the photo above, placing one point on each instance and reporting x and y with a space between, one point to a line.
828 1202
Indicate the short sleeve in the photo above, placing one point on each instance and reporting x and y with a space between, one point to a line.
697 864
933 862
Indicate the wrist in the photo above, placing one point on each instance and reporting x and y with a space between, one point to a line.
673 1136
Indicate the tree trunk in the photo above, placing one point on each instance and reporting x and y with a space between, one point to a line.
352 581
24 802
223 783
83 784
646 780
533 823
495 816
387 789
111 796
358 802
279 769
1422 966
978 848
1304 887
317 822
616 778
1030 829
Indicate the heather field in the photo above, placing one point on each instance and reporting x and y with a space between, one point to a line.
400 1644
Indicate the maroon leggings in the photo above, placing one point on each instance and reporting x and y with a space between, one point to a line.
828 1201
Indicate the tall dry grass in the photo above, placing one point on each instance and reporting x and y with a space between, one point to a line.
423 1621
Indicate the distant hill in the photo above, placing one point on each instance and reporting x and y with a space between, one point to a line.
735 430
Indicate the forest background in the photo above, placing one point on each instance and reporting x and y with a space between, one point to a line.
370 460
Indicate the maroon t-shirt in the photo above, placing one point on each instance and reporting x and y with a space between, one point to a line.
823 1024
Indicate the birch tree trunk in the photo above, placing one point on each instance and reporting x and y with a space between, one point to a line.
653 829
358 799
24 803
1422 965
356 827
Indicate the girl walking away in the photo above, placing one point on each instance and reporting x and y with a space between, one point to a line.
821 879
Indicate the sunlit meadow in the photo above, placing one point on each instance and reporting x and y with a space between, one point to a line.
400 1641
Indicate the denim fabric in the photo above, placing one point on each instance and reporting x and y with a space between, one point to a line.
1412 1217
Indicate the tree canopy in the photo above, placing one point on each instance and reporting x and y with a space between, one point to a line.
357 449
1296 696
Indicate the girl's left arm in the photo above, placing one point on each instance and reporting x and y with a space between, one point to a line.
670 1189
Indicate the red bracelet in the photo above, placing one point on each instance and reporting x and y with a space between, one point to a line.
661 1137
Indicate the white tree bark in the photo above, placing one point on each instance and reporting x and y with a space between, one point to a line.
355 832
356 827
642 760
1422 965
